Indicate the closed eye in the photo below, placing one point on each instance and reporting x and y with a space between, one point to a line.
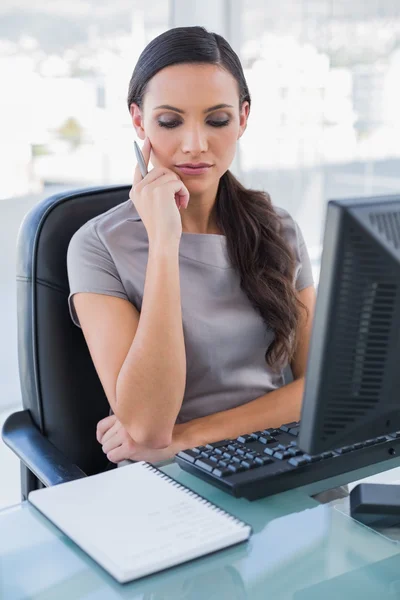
172 124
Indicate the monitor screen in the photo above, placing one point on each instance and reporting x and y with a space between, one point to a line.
352 386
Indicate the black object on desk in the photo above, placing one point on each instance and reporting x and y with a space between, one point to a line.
376 504
350 413
270 461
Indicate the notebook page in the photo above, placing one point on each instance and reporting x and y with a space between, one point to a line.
137 519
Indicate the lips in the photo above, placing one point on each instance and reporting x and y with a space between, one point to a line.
194 165
194 169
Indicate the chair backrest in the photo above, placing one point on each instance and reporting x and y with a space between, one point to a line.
59 384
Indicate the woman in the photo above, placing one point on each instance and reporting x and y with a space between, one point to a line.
195 293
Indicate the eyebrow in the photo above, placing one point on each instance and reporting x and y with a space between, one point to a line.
182 112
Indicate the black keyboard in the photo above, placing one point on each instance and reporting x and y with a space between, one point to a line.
268 462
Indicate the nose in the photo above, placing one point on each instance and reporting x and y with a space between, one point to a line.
194 140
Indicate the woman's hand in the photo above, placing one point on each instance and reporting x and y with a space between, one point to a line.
158 197
119 446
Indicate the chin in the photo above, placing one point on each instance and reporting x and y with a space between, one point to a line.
197 187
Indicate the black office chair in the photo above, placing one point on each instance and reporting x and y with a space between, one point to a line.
63 400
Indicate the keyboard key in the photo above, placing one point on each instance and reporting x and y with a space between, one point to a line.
327 455
218 451
344 449
205 464
267 439
240 451
244 438
189 455
281 455
247 464
232 468
236 459
232 447
270 451
239 468
217 444
312 458
294 431
221 472
284 428
196 450
297 461
250 455
295 452
223 463
288 426
206 453
227 455
214 458
263 460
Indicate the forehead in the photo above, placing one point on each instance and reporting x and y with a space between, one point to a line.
191 85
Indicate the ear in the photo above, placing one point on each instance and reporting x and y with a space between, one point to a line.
244 114
137 120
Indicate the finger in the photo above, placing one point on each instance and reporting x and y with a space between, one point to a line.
155 175
146 149
112 443
100 435
180 190
119 454
104 425
158 177
111 432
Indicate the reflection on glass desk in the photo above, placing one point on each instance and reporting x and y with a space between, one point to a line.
300 549
379 580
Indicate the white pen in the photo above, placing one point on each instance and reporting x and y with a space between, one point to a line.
140 159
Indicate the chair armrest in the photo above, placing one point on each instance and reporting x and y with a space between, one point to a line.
41 457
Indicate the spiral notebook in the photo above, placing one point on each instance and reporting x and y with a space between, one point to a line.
137 520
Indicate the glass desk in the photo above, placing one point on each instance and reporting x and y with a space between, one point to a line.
300 550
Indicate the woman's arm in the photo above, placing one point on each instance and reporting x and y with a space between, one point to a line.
141 359
270 410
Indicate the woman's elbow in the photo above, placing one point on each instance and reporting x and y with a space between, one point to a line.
156 439
144 433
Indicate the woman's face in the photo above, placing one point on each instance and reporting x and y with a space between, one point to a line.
180 118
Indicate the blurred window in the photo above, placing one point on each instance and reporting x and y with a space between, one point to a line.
324 78
64 72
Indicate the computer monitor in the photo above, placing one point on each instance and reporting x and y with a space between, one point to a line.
352 387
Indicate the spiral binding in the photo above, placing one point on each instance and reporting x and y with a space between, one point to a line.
193 494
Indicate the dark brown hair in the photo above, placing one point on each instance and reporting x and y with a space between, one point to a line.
255 244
